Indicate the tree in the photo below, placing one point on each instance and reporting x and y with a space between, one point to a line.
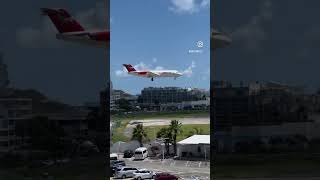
176 130
166 134
139 134
123 104
197 131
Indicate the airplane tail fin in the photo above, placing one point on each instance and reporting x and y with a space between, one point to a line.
62 20
129 67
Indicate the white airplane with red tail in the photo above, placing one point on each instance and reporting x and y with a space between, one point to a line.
70 30
152 73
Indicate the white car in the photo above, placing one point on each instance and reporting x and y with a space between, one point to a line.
114 156
144 174
125 172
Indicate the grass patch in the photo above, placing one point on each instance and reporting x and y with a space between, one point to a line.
123 120
149 115
118 134
151 130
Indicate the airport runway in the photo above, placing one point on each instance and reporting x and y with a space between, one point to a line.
163 122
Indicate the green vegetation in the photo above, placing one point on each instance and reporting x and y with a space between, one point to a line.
123 104
165 115
122 120
176 129
118 134
139 134
186 130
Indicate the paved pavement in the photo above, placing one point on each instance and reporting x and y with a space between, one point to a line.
183 169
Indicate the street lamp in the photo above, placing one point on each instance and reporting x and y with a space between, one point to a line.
161 140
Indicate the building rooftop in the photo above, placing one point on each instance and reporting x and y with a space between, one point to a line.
196 139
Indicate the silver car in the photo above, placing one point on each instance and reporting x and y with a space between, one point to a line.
125 172
144 174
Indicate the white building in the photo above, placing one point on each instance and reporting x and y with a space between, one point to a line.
196 146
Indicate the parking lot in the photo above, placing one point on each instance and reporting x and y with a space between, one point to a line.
183 169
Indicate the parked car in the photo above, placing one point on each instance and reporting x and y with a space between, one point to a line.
144 174
114 156
128 154
165 176
116 164
125 172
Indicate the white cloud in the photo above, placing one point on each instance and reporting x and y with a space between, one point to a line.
188 72
188 6
142 66
44 36
205 3
253 33
121 73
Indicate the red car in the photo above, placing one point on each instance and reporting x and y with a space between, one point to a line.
165 176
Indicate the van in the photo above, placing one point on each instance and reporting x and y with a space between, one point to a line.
140 153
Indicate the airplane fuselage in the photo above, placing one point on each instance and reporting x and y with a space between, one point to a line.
157 73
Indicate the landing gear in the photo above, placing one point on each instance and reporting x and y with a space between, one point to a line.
151 79
175 78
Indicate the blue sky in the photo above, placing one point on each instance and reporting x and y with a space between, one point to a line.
158 35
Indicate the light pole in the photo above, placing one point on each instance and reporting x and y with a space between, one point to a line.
161 140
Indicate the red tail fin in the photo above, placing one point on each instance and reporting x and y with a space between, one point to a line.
62 20
129 67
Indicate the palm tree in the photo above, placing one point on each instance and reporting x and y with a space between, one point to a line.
176 130
167 135
139 134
